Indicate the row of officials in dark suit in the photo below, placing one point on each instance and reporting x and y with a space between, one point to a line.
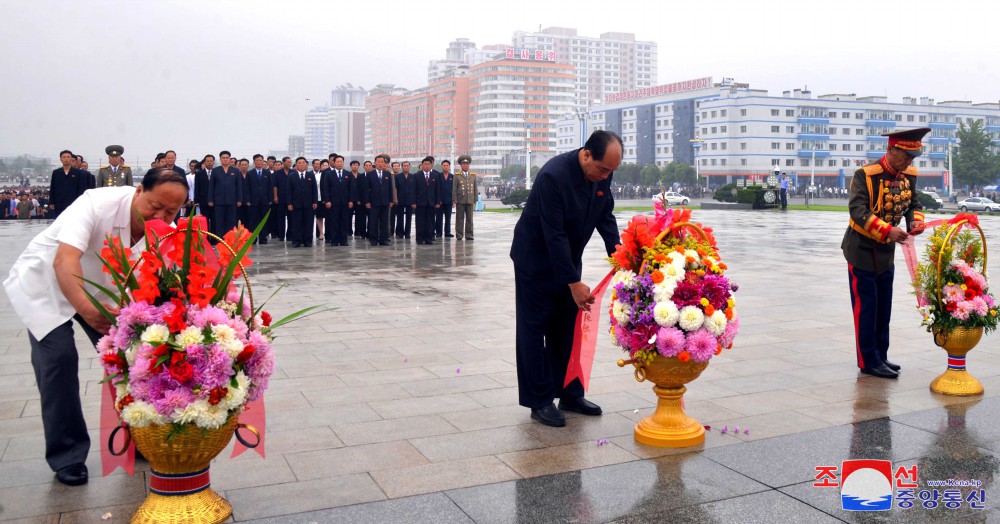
349 201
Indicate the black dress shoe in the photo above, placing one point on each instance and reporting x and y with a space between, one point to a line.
894 367
73 475
881 371
549 415
449 236
384 244
344 244
580 405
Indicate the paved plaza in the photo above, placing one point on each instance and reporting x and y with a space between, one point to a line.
401 405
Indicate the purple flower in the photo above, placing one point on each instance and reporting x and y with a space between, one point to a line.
716 289
701 345
173 399
686 294
669 341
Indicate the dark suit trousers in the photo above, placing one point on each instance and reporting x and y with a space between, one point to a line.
402 218
225 219
245 214
300 225
442 220
360 220
378 225
425 223
279 212
56 365
871 303
338 224
546 315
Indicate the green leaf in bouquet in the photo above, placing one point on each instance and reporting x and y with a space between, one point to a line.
298 315
101 308
260 306
222 284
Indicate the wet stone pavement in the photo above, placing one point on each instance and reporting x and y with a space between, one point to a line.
401 405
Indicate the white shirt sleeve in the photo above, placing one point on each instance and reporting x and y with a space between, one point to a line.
78 226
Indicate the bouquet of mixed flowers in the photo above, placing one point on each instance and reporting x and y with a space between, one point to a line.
951 292
186 345
669 293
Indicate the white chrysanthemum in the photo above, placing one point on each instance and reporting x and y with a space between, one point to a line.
621 312
155 334
213 417
623 276
223 332
665 313
664 290
716 323
121 390
693 254
236 396
191 412
190 336
673 271
130 354
140 414
232 347
691 318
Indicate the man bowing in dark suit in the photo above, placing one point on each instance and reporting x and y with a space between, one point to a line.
571 197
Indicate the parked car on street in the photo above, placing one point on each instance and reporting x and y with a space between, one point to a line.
935 196
672 198
979 204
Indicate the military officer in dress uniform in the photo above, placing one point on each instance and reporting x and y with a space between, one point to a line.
465 191
115 174
882 194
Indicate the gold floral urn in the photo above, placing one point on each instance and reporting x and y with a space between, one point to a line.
668 426
179 485
956 380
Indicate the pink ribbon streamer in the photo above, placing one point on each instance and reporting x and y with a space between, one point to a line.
253 415
109 421
585 333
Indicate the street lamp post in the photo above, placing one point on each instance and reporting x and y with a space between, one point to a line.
527 160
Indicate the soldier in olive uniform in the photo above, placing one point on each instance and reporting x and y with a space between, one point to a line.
882 194
116 174
465 191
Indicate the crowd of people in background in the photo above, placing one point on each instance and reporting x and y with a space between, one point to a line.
323 199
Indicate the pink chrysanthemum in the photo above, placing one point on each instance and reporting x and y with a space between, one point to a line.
701 345
669 341
732 327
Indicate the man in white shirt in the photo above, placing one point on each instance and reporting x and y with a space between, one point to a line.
47 295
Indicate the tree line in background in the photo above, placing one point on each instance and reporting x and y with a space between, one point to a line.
976 160
648 175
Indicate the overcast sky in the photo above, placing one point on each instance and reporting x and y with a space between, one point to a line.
200 76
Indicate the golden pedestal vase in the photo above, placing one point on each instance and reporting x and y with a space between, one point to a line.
179 485
668 426
956 380
957 341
